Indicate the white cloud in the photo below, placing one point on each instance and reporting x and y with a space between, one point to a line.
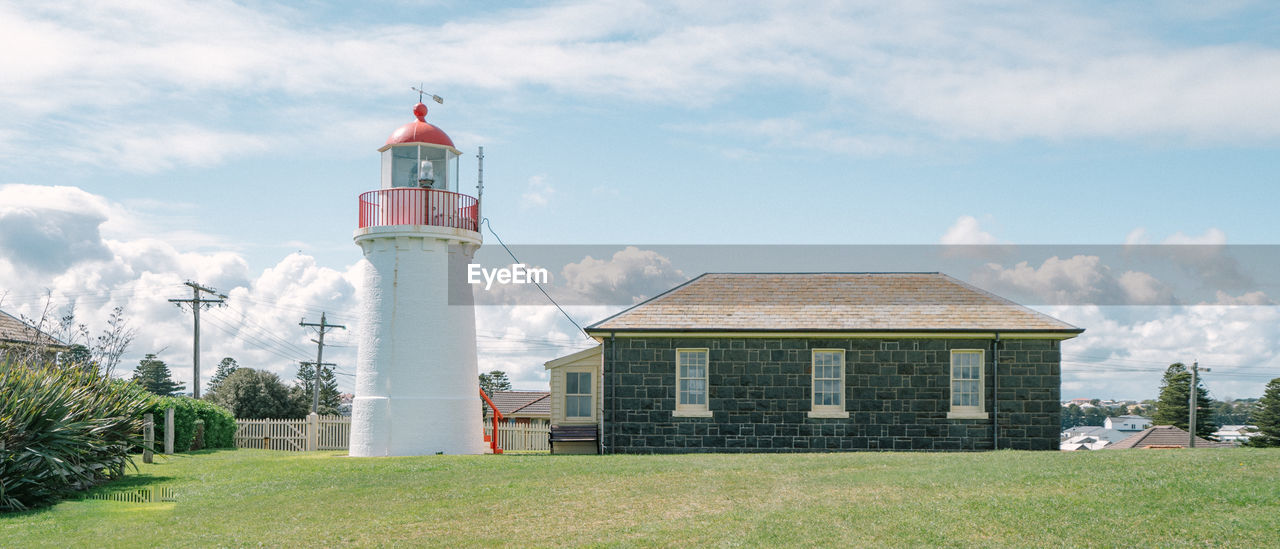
1124 350
537 192
1137 236
141 72
966 230
1080 279
1211 237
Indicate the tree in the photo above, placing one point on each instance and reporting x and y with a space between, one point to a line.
255 394
1267 417
1072 417
155 377
225 368
1172 406
495 380
79 357
1094 417
330 398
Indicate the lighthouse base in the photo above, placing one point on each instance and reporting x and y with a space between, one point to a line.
421 426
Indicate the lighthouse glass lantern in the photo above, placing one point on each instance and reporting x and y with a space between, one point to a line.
420 166
420 155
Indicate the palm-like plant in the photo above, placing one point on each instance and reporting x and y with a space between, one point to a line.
63 430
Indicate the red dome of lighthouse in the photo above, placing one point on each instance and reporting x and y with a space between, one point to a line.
420 131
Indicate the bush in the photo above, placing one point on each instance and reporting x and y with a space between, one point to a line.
255 394
219 424
62 430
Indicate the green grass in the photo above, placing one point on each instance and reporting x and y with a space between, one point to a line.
1108 498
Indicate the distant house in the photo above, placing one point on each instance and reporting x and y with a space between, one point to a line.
1164 436
1083 442
1235 434
19 338
784 362
1127 423
521 407
1110 436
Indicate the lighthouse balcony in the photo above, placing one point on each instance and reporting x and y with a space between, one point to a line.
413 206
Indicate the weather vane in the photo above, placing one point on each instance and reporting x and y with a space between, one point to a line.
434 97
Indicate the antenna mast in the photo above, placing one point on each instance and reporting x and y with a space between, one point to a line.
479 183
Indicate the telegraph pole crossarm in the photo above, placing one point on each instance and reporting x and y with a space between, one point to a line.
196 302
322 327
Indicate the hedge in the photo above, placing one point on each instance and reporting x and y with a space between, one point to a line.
219 424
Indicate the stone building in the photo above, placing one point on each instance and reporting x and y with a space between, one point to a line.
764 362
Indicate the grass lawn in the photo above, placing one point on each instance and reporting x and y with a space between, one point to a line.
1108 498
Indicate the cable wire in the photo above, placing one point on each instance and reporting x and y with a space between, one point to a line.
486 223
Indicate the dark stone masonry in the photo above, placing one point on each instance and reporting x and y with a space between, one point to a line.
897 394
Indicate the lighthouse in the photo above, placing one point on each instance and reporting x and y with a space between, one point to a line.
416 381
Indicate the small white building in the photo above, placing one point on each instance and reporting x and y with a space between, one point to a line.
1236 434
1084 442
1127 423
576 388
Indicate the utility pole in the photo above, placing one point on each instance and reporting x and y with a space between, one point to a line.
315 404
197 303
1192 401
323 327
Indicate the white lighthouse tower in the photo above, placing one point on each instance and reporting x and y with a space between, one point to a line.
416 386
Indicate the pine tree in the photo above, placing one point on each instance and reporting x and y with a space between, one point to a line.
225 368
495 380
1267 417
1171 408
330 398
155 377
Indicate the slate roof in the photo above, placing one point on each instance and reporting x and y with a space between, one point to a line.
1164 435
522 403
16 331
834 302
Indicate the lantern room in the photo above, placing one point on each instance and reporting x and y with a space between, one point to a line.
420 156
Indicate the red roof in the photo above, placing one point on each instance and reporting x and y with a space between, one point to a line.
420 131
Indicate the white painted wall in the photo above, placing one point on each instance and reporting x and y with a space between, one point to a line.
416 387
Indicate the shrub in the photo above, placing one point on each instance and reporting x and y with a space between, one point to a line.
62 430
255 394
219 424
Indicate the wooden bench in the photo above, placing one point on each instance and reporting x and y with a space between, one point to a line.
573 433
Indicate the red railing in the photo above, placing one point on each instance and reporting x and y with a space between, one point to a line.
407 206
497 416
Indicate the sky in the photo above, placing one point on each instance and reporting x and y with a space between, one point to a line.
143 144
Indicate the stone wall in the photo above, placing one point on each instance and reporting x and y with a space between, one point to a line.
897 394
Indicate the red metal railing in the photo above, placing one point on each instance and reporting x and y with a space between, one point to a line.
407 206
497 416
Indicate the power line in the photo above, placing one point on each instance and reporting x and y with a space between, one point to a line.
257 343
486 223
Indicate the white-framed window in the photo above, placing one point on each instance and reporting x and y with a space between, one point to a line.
828 384
966 384
577 395
691 382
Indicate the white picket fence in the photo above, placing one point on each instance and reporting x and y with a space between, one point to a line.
334 433
522 437
294 435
